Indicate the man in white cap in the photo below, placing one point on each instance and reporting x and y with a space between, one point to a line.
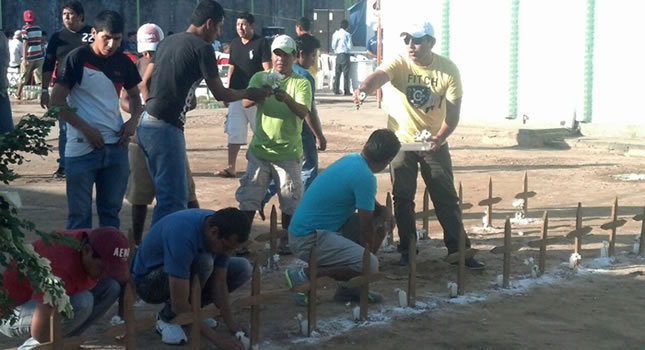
427 97
275 152
141 189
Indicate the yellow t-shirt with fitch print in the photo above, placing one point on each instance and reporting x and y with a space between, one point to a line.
420 94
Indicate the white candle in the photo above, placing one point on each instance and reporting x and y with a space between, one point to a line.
636 247
243 339
356 313
403 297
452 289
574 260
500 280
604 250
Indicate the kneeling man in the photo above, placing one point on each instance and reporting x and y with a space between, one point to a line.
184 244
325 220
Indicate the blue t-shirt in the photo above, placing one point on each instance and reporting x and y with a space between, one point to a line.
302 71
174 242
346 185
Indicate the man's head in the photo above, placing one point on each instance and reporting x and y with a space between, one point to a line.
148 37
245 25
29 16
73 15
306 46
344 24
226 230
419 40
226 48
303 26
104 252
380 149
107 32
17 35
208 15
283 54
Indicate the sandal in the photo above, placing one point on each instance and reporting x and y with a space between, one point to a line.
225 173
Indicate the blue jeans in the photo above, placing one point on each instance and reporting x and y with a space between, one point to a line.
165 149
309 163
89 306
6 123
153 288
62 141
106 167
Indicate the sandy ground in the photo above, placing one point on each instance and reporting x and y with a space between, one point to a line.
598 307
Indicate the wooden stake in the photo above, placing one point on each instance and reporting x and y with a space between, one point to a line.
426 218
489 211
461 195
525 210
194 339
389 206
365 288
461 271
545 229
612 235
56 331
578 240
507 252
121 305
412 272
273 230
255 309
641 247
313 286
130 320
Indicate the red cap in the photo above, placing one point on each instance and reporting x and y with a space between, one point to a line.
28 15
114 249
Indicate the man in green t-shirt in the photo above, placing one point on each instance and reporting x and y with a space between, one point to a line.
275 153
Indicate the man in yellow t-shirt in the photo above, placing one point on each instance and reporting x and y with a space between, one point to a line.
428 92
303 26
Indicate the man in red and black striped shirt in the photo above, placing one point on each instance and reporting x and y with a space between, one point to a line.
32 52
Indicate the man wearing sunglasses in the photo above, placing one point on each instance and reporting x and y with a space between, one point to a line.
427 98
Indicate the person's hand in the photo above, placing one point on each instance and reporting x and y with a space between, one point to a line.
44 99
321 142
127 131
435 142
258 94
281 95
93 136
357 96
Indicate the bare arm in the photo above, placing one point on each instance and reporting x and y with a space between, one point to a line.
124 101
231 68
219 287
40 322
228 95
179 293
144 85
134 105
372 83
314 123
266 65
58 99
453 109
297 108
44 95
366 219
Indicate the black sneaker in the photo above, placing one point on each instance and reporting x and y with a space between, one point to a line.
472 264
59 173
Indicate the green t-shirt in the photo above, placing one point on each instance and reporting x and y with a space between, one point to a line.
278 130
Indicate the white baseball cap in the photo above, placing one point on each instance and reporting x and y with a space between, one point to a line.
148 37
284 43
419 30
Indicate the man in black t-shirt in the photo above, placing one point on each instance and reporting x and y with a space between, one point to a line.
89 80
181 62
250 54
62 43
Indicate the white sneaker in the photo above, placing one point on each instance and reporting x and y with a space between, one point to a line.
171 333
211 322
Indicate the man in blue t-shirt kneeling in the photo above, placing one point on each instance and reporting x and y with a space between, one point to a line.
325 218
187 243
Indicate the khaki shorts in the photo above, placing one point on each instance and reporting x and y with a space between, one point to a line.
237 120
141 188
258 176
27 68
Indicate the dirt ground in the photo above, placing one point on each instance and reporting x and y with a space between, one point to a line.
598 307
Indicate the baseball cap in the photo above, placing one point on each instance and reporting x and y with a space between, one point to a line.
148 37
28 15
17 34
419 30
114 249
284 43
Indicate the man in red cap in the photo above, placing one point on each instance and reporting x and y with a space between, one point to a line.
90 275
32 52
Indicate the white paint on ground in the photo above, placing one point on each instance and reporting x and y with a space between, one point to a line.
629 177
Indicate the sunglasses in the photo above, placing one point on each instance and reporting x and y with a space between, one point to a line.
415 41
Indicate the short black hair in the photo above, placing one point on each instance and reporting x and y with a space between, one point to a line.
307 43
131 34
381 146
231 221
43 32
207 9
344 24
110 21
304 23
75 6
247 16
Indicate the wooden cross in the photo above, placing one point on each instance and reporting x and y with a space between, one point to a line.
194 337
506 249
390 211
426 213
525 195
613 225
488 202
460 257
313 288
641 247
255 308
462 205
544 242
364 281
128 316
412 272
579 231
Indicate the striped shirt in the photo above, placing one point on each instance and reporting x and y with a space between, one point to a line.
33 35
